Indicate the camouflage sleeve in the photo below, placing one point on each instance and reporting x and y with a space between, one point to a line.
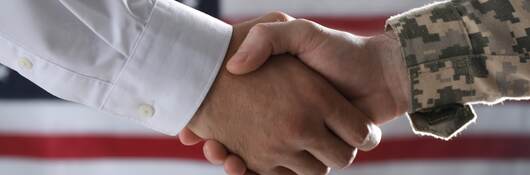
461 52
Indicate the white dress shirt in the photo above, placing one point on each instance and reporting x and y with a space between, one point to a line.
152 61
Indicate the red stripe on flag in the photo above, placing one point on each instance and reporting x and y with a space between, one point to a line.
465 147
86 147
83 147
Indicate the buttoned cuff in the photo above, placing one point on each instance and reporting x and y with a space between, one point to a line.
173 65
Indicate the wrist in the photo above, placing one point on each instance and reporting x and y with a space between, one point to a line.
386 48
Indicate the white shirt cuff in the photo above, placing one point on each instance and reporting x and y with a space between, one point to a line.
173 66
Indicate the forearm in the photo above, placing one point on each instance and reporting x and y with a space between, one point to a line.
461 52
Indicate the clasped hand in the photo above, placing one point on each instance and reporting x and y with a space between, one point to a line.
298 98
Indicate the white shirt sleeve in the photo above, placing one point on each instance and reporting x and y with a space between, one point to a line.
152 61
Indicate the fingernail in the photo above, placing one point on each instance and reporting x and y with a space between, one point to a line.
354 155
372 139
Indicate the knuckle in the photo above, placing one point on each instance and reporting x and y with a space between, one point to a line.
261 30
258 166
316 143
312 143
280 170
303 128
296 130
294 124
279 16
321 170
307 24
339 159
310 31
303 23
308 138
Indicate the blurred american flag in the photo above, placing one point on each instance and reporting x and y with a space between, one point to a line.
41 135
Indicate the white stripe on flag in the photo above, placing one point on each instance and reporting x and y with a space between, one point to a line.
447 167
14 166
501 119
53 117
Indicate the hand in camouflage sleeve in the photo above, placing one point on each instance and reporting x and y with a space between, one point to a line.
461 52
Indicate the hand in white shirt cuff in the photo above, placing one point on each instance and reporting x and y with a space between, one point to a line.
172 68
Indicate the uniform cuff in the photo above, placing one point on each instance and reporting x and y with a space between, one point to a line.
173 66
436 48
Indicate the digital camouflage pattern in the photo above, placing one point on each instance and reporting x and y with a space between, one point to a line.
460 52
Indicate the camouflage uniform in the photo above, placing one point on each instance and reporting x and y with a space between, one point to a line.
460 52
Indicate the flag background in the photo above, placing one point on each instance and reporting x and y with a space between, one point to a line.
41 135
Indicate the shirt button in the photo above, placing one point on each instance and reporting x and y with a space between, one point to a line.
25 63
146 111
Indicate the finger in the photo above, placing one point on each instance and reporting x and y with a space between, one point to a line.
215 152
354 128
275 17
282 171
330 149
187 137
270 17
234 165
306 164
268 39
250 173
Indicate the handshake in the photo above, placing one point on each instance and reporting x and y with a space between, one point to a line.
298 98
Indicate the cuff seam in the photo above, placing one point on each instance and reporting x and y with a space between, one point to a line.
134 51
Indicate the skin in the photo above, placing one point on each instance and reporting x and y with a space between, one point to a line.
281 119
368 71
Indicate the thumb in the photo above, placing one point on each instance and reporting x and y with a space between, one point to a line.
267 39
